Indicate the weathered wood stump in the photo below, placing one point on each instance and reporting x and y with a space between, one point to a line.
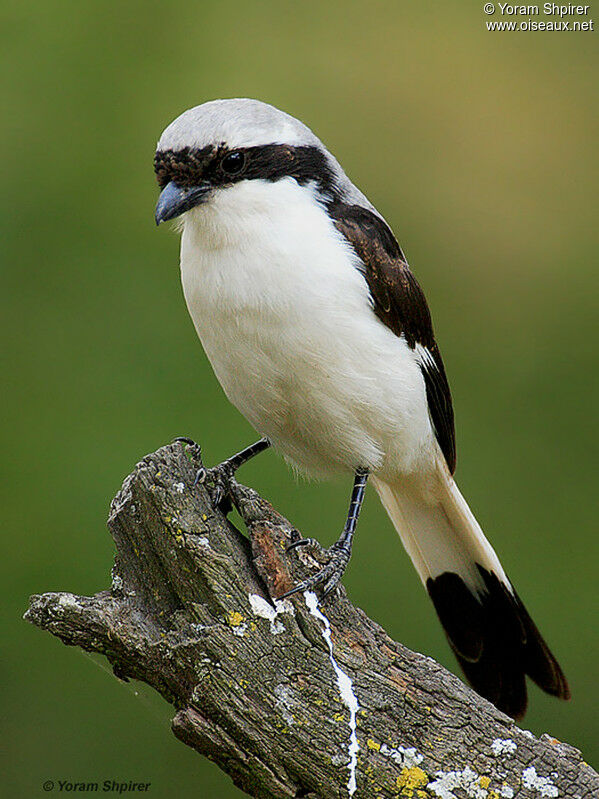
290 698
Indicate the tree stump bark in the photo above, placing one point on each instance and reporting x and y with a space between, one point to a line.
291 699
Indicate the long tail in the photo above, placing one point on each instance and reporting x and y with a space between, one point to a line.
495 641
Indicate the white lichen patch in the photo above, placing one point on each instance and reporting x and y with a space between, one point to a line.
534 782
202 541
260 607
68 601
240 630
179 487
503 746
284 703
117 580
507 792
199 628
404 757
471 783
346 690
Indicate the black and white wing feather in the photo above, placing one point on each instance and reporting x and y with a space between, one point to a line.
399 302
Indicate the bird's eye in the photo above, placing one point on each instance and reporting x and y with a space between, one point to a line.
233 163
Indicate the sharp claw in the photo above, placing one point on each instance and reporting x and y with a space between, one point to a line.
302 542
194 448
189 442
299 587
200 477
331 584
329 576
217 495
184 440
309 584
219 476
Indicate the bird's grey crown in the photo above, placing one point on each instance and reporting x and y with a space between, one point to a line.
242 122
238 123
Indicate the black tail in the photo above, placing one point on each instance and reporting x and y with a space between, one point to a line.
495 641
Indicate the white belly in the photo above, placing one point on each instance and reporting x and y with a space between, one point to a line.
285 319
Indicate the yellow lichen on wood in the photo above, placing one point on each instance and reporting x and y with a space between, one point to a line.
234 619
371 744
412 782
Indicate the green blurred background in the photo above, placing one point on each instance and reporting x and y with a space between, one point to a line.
478 147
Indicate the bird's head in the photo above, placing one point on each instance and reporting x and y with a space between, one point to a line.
213 147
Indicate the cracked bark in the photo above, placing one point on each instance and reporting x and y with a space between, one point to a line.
259 696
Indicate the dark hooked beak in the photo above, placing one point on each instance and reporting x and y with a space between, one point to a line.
174 200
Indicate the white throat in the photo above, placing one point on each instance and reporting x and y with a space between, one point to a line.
257 244
285 318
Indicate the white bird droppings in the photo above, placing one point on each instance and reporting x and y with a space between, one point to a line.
346 690
503 746
260 607
534 782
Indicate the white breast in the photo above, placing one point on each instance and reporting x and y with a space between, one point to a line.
285 318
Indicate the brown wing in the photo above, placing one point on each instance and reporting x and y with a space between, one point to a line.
399 302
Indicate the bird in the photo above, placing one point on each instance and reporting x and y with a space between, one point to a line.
321 336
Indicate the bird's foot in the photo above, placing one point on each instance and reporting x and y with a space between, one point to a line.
195 454
330 575
312 543
217 479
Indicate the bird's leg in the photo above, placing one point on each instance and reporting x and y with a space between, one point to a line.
340 552
220 476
